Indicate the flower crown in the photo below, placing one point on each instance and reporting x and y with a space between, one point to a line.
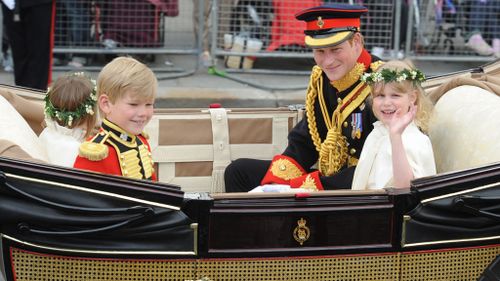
388 76
67 117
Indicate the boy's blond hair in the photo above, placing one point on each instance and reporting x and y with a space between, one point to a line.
67 94
126 75
424 105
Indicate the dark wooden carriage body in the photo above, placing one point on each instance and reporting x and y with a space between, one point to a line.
54 224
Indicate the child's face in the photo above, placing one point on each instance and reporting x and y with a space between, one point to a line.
390 103
130 113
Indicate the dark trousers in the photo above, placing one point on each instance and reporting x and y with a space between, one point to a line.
30 40
242 175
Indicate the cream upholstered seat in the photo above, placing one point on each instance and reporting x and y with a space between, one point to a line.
465 128
13 127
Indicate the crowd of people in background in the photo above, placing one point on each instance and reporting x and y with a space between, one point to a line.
108 24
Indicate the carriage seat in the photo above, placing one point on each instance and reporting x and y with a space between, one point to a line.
465 127
14 128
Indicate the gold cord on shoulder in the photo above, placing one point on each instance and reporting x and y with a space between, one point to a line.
312 92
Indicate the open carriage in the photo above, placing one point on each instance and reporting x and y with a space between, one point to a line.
64 224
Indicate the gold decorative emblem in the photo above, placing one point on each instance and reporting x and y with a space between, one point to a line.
285 169
309 184
301 232
320 22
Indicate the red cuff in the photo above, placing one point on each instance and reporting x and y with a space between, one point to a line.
309 181
282 170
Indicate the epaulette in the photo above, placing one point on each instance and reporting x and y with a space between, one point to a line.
95 149
375 65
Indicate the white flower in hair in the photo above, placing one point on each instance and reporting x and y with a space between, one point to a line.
401 77
413 74
365 77
88 109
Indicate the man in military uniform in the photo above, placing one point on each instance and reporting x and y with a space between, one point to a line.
324 147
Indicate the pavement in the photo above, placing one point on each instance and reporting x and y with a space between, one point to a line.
183 85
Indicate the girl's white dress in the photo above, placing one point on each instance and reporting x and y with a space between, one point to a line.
61 143
374 169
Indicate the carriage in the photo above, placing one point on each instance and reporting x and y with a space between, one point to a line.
64 224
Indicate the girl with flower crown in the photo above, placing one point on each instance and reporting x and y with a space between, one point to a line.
70 117
398 149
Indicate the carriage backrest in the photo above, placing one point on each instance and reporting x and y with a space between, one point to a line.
464 127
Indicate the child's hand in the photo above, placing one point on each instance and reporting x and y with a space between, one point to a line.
400 121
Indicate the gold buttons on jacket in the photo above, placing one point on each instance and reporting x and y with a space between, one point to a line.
352 151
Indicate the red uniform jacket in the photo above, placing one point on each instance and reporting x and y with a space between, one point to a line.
128 156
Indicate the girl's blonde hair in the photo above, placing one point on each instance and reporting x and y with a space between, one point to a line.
424 105
73 96
126 75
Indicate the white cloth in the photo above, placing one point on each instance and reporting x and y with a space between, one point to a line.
61 143
374 169
277 188
10 4
14 128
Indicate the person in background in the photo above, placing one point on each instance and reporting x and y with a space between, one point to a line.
397 150
204 9
79 23
324 147
29 28
70 117
484 25
126 92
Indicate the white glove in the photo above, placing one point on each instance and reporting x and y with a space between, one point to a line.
276 188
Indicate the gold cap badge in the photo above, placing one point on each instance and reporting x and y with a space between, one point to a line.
320 22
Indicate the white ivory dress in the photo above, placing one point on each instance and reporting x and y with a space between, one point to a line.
61 143
374 169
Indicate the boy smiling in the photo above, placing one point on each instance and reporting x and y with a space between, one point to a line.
126 92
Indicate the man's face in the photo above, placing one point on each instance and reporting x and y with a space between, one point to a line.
338 60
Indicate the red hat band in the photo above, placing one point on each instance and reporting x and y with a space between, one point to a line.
321 23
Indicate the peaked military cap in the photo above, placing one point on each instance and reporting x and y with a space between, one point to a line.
331 24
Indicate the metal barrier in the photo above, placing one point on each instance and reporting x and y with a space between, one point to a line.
248 31
85 30
245 30
441 30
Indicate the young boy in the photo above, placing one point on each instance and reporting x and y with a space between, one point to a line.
126 92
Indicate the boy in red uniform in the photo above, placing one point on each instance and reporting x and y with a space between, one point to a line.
126 92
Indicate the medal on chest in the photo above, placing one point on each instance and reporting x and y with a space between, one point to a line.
356 125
